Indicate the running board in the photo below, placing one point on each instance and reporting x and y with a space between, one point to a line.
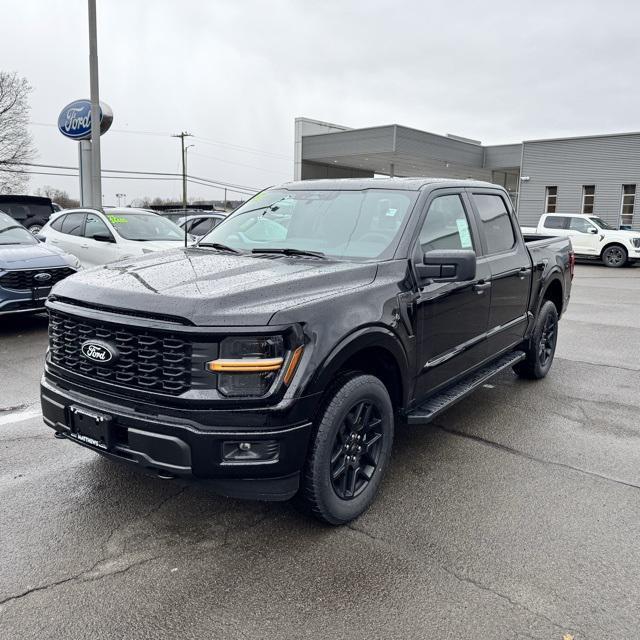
434 406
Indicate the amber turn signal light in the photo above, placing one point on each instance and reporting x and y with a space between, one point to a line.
293 365
248 365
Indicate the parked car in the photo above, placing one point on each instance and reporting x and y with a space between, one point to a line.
200 224
277 368
98 237
592 238
28 269
30 211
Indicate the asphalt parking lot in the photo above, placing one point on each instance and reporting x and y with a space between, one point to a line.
517 515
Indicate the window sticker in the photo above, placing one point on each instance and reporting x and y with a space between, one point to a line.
391 212
463 232
117 219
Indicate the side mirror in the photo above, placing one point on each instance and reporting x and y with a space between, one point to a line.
40 237
449 265
101 237
593 230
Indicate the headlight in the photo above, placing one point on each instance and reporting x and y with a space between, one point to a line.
73 261
249 366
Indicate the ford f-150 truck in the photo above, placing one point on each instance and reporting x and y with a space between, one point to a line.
592 238
274 358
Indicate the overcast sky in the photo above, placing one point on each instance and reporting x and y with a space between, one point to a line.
237 72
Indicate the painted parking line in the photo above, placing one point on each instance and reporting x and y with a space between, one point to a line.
19 416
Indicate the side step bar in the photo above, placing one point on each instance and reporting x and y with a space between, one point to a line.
434 406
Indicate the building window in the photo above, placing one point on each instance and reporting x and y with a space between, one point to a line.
588 198
550 199
628 203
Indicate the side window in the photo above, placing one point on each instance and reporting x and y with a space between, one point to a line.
72 224
581 225
57 223
202 226
95 227
556 222
496 222
446 225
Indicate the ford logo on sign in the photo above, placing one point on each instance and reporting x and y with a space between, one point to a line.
74 120
98 352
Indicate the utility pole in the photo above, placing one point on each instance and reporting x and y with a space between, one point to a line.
182 136
225 199
96 170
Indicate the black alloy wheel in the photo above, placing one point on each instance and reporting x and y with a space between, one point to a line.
356 450
615 256
548 338
541 348
350 450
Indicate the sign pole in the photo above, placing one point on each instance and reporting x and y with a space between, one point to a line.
96 170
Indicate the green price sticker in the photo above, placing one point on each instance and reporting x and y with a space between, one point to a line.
463 232
117 219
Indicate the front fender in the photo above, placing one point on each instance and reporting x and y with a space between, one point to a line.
350 345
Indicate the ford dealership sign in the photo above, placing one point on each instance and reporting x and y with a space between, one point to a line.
74 120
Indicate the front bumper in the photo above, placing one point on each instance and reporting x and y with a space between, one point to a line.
171 447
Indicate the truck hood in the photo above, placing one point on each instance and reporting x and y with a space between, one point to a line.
211 288
31 256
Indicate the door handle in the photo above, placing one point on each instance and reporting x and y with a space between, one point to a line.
84 246
481 286
522 274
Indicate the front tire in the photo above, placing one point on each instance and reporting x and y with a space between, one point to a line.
542 346
615 256
350 451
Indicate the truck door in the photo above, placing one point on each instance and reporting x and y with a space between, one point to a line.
510 266
452 317
585 238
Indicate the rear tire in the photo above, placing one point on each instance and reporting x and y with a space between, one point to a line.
34 225
542 346
615 256
350 451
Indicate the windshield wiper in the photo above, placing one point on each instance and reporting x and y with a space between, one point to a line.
290 252
218 245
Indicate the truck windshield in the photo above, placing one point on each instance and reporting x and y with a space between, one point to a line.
145 227
355 225
601 223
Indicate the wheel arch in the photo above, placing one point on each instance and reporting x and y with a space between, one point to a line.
373 350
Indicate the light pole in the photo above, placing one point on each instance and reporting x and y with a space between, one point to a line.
96 172
182 136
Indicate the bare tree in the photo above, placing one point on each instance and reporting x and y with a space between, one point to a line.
16 145
58 196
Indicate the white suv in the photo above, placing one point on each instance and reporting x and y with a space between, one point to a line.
591 237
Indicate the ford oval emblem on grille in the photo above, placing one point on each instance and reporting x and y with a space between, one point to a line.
98 352
42 277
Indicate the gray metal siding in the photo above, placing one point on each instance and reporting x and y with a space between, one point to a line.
503 156
348 143
607 162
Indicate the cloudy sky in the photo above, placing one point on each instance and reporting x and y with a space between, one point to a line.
236 73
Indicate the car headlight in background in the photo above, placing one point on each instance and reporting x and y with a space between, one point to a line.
248 366
74 263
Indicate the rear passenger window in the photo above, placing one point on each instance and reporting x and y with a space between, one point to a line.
496 222
57 223
72 224
556 222
446 225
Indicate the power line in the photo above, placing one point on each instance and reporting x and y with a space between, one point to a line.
221 183
239 164
208 141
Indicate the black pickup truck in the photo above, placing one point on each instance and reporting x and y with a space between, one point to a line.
274 358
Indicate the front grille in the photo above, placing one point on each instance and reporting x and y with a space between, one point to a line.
25 279
148 360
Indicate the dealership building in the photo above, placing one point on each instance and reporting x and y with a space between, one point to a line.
597 174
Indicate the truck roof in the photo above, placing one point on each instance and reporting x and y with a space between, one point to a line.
405 184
